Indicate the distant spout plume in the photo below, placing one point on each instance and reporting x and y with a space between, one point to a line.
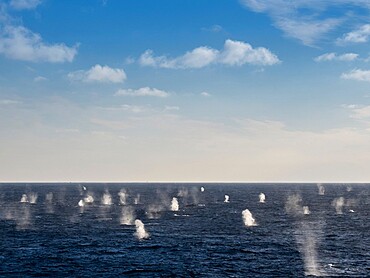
248 218
137 199
227 197
321 189
106 199
338 204
262 197
306 210
24 198
154 211
174 204
89 199
140 233
308 239
49 197
127 216
293 204
32 197
122 196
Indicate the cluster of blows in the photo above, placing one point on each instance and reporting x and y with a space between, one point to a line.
248 218
262 197
106 199
174 204
31 198
140 233
227 197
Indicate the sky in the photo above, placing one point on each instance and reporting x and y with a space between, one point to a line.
202 90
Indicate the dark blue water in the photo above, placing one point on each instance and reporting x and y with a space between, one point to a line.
205 238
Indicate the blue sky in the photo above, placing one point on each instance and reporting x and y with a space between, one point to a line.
249 90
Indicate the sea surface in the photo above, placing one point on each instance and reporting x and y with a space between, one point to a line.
301 230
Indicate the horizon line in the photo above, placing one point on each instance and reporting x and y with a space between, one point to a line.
192 182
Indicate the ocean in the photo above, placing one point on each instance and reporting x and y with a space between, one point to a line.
184 230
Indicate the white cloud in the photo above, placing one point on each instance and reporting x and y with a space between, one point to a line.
308 20
361 35
238 53
197 58
8 102
205 94
67 130
133 108
129 60
214 28
142 92
171 108
308 31
357 74
99 73
24 4
126 107
359 113
235 53
347 57
19 43
40 79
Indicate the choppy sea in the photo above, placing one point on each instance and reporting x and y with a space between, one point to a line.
185 230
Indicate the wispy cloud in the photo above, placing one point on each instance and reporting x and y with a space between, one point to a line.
307 20
20 43
171 108
235 53
24 4
219 148
214 28
142 92
40 79
357 74
9 102
205 94
126 107
98 73
359 112
360 35
347 57
197 58
133 108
